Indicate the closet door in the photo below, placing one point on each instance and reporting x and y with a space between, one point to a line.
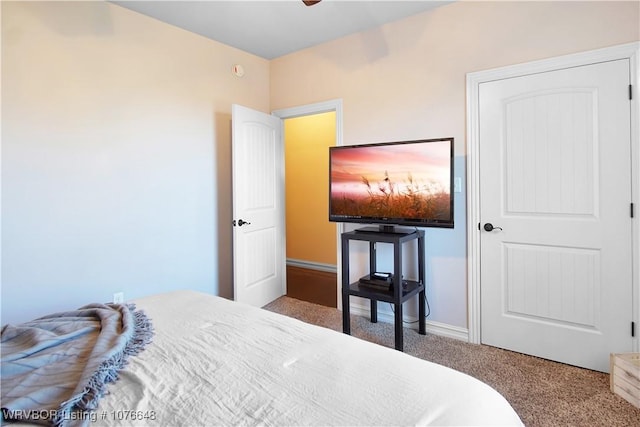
555 222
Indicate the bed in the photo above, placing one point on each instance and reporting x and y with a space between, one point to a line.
218 362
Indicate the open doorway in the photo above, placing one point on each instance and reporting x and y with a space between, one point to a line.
311 240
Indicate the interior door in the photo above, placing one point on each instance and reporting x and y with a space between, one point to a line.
258 207
555 198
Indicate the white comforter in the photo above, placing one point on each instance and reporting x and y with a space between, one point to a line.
218 362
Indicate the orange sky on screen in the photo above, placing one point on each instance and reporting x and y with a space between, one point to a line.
426 163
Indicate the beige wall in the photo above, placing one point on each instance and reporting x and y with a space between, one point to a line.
310 235
116 133
116 164
406 80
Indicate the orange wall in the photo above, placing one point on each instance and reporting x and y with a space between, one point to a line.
310 235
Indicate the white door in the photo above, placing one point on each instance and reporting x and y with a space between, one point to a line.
258 207
555 177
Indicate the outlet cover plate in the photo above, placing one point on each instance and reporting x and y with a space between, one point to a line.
118 298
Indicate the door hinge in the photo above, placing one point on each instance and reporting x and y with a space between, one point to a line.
633 329
630 92
632 210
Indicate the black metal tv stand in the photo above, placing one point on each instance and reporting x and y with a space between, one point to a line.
402 289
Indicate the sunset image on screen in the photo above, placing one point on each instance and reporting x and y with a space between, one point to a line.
409 180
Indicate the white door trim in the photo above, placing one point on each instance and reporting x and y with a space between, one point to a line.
630 51
317 108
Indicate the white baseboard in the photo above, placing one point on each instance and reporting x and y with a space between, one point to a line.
436 328
311 265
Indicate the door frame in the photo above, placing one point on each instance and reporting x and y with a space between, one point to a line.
629 51
334 105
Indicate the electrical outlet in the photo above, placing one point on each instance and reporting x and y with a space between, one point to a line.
118 298
457 185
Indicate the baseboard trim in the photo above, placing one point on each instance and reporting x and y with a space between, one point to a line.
311 265
436 328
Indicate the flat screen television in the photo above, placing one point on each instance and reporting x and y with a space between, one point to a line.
406 183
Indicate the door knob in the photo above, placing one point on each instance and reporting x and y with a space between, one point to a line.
489 227
241 223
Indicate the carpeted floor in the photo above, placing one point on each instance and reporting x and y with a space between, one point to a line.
542 392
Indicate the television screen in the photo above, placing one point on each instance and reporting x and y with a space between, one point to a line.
394 183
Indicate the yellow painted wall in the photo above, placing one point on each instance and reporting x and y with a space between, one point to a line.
310 235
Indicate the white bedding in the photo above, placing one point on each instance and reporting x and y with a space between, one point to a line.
218 362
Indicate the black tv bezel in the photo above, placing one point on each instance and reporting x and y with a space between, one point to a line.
407 222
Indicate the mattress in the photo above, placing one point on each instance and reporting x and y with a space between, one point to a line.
218 362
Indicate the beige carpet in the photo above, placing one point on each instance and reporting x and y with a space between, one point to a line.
542 392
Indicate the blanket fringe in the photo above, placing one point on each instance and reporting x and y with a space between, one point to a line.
107 372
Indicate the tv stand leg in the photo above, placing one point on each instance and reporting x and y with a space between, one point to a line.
422 330
346 319
374 311
398 327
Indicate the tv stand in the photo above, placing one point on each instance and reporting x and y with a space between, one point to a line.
389 229
402 289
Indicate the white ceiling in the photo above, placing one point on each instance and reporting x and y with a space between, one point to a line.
272 28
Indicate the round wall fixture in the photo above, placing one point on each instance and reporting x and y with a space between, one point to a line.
238 70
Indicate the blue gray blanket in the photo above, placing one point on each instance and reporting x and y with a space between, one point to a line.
55 369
